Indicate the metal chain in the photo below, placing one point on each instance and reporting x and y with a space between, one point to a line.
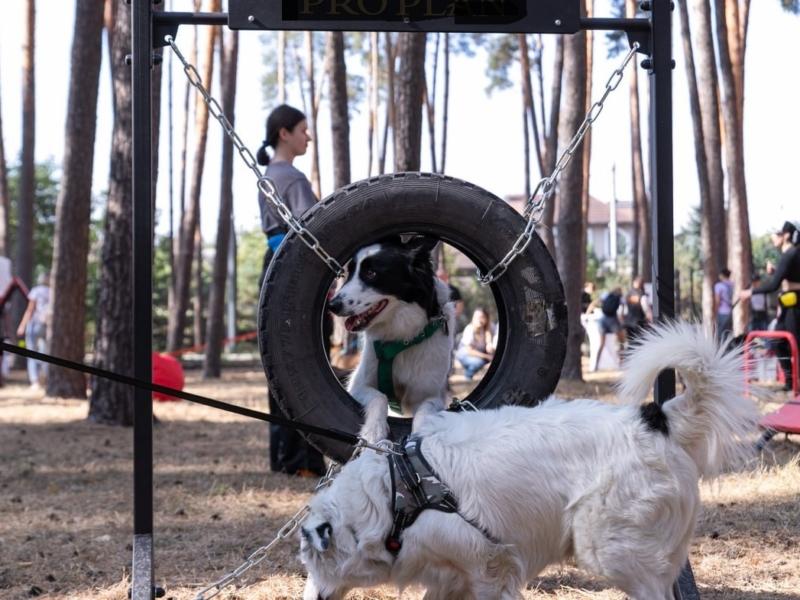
261 553
265 184
534 207
382 447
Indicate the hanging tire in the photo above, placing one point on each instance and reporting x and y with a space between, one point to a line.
529 296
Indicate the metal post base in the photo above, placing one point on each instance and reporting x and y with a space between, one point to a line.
142 571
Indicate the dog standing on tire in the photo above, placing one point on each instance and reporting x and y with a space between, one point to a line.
615 487
392 295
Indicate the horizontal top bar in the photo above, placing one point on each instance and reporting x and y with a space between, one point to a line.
188 18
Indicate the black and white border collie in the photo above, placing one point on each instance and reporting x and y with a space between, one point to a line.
392 294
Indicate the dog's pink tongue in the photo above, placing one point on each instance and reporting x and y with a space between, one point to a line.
351 323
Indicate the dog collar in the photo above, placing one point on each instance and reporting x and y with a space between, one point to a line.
387 351
417 487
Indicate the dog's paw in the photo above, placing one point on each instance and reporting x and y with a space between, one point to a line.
429 408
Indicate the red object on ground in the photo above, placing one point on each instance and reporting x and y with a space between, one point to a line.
167 371
786 419
773 335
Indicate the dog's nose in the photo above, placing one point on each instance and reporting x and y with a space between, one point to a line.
335 305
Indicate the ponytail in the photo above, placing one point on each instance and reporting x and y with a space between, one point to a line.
261 156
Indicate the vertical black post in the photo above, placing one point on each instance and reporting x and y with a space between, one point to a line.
141 48
661 174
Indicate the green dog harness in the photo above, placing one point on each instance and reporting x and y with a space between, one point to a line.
387 351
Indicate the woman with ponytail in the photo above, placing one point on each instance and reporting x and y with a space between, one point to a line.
287 135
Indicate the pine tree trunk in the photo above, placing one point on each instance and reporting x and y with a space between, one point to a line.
281 67
445 101
708 90
176 325
708 240
67 326
5 202
571 246
429 96
642 251
527 91
524 64
312 125
586 155
740 257
340 122
372 130
199 291
111 402
187 109
215 326
409 88
390 99
551 141
23 262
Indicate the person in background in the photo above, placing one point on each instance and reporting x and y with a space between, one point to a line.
33 326
637 310
759 320
786 278
723 304
610 303
476 347
455 296
287 134
587 296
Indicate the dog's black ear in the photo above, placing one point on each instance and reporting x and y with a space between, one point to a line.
421 246
320 536
392 240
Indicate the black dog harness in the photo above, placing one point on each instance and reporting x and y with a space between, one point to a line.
417 487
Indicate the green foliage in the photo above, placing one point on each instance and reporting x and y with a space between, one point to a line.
689 266
502 52
249 259
763 251
792 6
46 179
161 281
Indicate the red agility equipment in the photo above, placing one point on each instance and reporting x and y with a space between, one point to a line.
167 371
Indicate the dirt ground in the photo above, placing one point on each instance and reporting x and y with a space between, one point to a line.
66 505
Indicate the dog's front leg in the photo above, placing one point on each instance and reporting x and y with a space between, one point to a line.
376 410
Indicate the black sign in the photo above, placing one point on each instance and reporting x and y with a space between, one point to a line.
490 16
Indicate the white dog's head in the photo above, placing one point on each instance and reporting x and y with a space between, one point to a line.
342 541
390 285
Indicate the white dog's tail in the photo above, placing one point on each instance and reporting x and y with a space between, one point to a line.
713 417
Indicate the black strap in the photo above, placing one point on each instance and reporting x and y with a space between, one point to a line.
333 434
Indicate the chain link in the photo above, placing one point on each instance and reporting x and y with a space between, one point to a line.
382 447
535 205
265 184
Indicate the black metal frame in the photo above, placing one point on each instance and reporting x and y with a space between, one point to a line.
654 37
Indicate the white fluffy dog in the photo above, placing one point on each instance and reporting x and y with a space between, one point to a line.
393 296
614 487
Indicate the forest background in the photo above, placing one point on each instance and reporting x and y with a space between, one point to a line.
491 109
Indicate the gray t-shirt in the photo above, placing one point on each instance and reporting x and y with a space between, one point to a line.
295 191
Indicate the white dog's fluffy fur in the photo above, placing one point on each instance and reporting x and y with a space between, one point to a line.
420 372
581 479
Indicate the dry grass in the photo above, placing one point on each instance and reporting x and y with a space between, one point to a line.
65 506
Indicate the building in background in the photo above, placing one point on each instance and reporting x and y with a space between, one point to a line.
609 235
